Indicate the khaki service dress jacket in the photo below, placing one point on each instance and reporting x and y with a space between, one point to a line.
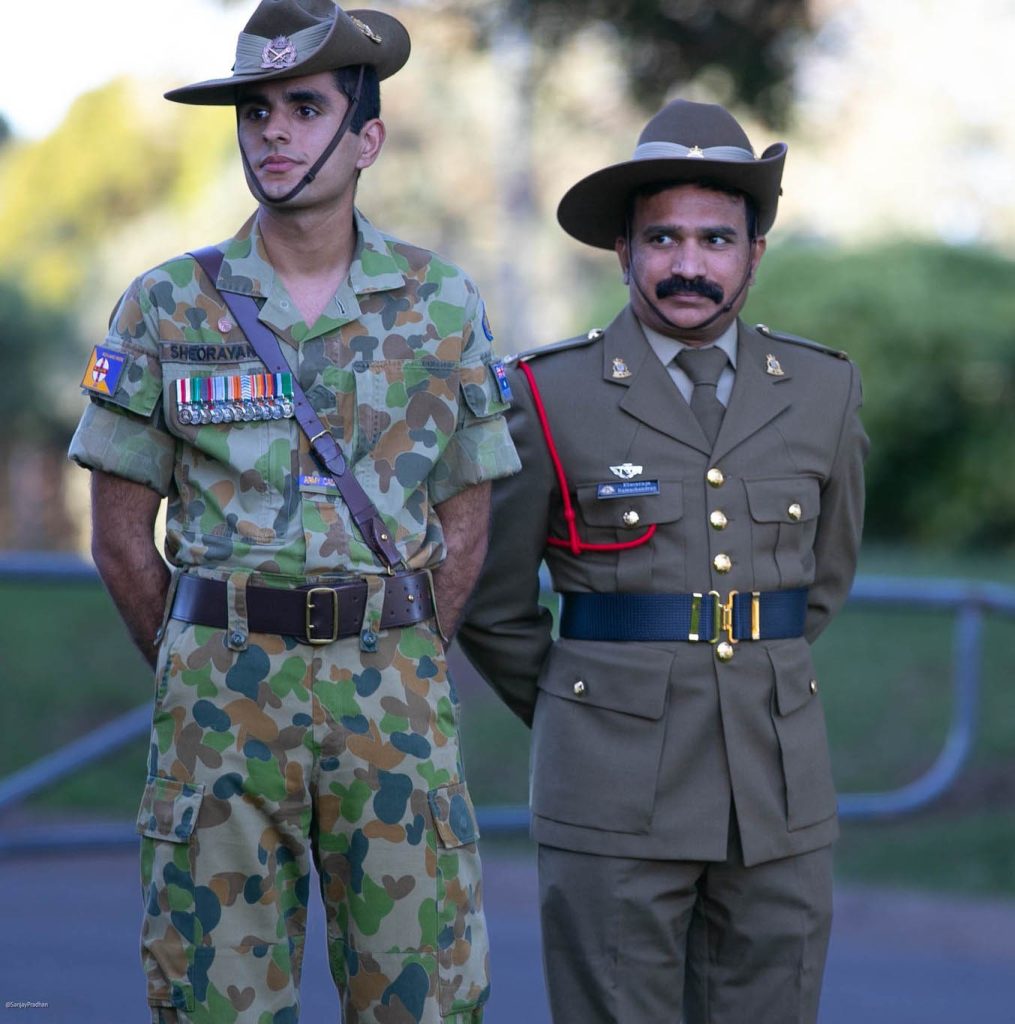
638 748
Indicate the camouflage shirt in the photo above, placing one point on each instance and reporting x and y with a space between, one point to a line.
398 367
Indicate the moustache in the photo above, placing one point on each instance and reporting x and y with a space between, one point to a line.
695 285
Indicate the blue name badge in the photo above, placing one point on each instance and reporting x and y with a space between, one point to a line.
318 483
627 489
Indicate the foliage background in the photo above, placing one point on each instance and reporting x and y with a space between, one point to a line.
895 242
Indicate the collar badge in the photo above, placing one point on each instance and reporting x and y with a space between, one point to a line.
620 369
278 53
772 367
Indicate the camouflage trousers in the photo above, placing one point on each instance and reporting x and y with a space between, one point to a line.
265 757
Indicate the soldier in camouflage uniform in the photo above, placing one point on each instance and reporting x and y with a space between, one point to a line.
303 707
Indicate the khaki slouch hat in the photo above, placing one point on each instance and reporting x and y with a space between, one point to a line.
292 38
683 142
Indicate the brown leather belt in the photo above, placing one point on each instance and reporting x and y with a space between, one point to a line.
311 614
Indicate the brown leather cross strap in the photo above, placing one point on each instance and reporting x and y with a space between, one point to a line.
323 444
312 614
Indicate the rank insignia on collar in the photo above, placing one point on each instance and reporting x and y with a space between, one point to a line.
772 367
278 53
627 470
620 369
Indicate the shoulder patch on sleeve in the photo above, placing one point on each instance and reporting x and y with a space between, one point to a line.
102 374
794 339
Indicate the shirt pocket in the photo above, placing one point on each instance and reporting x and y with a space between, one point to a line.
232 475
784 512
406 412
616 512
598 733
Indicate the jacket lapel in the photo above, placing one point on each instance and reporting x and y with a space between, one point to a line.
758 396
650 394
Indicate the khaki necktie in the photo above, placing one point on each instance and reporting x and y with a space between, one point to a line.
704 366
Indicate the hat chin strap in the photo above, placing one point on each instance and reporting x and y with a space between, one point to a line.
722 311
307 178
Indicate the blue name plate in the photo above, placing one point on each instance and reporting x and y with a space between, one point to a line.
627 489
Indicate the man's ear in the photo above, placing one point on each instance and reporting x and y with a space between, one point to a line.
622 254
371 138
757 251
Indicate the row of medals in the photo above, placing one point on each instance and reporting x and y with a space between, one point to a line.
236 408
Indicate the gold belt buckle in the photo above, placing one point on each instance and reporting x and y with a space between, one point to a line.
318 641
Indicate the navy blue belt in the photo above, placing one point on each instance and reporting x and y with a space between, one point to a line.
743 615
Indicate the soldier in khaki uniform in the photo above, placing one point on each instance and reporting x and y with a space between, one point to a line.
701 524
319 405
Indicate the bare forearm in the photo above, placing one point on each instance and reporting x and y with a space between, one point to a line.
465 519
123 547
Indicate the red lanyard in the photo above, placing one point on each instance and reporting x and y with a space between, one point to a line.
573 543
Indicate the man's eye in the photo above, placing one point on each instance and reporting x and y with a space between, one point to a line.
255 114
307 111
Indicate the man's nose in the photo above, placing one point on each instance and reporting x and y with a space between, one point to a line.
687 261
276 127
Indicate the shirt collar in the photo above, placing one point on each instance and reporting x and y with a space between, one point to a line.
666 348
247 270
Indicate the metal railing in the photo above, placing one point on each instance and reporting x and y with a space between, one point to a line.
970 603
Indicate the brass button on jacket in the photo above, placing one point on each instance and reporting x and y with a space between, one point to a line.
718 520
631 518
795 511
579 688
715 477
724 651
722 562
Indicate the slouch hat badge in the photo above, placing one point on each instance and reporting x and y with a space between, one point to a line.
278 53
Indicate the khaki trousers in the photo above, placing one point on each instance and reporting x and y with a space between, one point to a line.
629 941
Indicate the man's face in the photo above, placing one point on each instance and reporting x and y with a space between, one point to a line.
689 253
285 125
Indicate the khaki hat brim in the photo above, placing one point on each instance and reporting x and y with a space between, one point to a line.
344 46
595 209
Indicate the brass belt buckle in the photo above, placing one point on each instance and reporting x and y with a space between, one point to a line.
317 641
727 616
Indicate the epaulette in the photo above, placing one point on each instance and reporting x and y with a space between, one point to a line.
795 339
558 346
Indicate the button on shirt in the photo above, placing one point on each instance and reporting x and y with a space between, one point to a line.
666 349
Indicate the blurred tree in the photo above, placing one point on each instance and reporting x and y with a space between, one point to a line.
111 159
749 43
33 349
932 328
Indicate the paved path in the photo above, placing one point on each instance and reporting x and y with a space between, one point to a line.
70 926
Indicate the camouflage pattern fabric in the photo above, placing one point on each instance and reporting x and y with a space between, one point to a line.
255 756
266 753
398 367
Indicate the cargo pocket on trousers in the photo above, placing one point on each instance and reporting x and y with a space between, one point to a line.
166 822
463 953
